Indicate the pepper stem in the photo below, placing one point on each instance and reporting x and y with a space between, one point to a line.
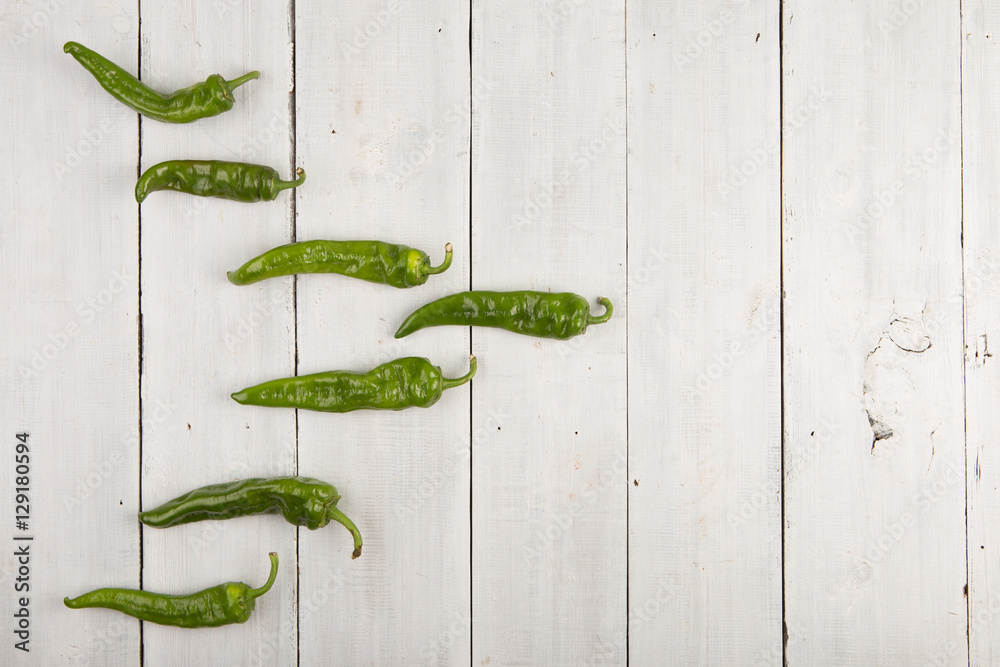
608 309
280 185
257 592
239 81
431 270
342 519
448 383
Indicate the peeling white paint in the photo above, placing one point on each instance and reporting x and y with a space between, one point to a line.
896 381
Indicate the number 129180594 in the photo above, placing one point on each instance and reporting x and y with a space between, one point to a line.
22 479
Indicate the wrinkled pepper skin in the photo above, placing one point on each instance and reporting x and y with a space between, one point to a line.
541 314
402 383
303 501
377 262
238 181
224 604
209 98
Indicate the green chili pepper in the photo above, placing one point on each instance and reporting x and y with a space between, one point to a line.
403 383
303 501
238 181
201 100
377 262
220 605
542 314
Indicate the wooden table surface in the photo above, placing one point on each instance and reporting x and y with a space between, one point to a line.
780 448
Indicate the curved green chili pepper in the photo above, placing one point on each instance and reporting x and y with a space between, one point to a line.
303 501
542 314
403 383
377 262
238 181
201 100
220 605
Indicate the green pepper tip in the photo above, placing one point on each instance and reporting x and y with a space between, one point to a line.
278 184
71 47
343 520
431 270
239 396
448 383
608 309
240 80
257 592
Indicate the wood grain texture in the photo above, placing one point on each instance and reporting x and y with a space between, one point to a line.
69 257
382 127
612 499
549 446
980 169
204 338
875 563
704 355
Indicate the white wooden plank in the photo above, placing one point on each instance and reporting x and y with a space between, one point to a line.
382 124
549 451
204 338
875 562
69 258
980 169
704 354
